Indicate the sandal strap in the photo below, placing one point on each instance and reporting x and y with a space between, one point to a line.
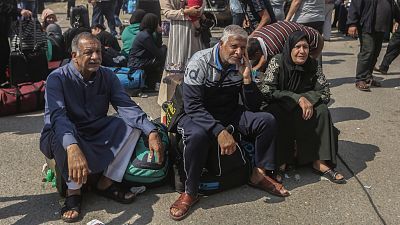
183 200
72 202
332 173
116 192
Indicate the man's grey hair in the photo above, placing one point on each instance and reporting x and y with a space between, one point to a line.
77 38
233 30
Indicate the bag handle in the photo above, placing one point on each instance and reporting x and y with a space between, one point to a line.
34 34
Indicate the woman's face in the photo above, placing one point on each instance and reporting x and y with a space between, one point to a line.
51 19
300 52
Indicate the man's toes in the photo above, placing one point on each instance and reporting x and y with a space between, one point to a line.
176 212
70 214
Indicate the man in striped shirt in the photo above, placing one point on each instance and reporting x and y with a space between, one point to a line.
269 41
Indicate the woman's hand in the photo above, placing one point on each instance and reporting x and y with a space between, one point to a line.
307 108
193 11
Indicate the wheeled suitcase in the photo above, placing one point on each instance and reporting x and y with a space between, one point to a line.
79 17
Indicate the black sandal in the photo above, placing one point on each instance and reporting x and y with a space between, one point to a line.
330 174
72 203
116 193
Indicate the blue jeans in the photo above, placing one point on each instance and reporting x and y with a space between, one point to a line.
106 9
237 19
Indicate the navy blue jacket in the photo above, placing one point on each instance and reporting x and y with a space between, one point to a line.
210 102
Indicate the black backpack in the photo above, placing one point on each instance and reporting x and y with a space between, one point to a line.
113 58
58 46
79 17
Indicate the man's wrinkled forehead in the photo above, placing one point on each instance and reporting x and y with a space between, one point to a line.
237 40
89 44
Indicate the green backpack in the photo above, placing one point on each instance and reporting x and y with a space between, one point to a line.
141 170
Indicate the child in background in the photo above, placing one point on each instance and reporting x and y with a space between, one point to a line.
195 19
48 17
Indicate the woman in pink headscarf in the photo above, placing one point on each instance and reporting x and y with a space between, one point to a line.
48 17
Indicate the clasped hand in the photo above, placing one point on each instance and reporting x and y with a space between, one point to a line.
226 142
307 108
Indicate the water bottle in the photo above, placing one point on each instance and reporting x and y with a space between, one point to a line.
131 6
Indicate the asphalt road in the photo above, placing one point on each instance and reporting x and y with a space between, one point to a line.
369 144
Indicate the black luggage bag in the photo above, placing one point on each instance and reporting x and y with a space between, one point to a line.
221 172
28 64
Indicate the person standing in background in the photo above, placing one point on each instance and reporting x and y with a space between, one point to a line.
30 5
329 6
237 12
279 9
182 42
310 13
368 20
104 8
117 10
8 13
70 4
392 51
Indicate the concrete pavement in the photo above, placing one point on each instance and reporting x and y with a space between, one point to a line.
369 143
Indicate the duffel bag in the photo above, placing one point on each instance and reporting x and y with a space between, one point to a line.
25 97
129 80
221 172
143 171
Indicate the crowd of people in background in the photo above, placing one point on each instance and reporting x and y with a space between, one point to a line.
276 42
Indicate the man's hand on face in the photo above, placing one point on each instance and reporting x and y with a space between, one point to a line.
78 169
156 146
245 68
226 142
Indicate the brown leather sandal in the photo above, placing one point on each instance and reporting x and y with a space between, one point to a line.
362 86
271 186
183 204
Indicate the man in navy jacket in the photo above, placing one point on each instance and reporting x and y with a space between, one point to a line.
213 81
